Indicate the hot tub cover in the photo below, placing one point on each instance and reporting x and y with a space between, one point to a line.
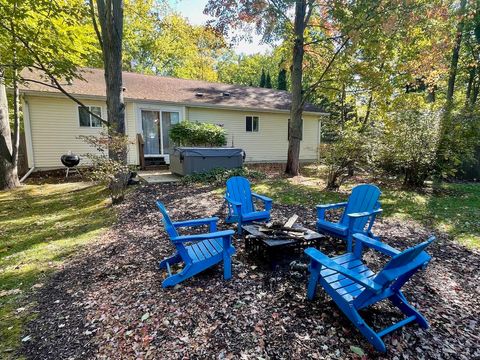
207 152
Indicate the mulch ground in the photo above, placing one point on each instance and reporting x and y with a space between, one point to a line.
108 302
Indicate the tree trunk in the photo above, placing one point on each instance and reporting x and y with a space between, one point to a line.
456 53
111 24
8 171
296 110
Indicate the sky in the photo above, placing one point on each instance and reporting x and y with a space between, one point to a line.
193 10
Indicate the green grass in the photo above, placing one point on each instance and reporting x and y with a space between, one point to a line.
40 227
451 208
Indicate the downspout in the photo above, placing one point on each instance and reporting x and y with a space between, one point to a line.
319 138
28 138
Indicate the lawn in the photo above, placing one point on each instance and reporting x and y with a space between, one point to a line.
453 208
40 227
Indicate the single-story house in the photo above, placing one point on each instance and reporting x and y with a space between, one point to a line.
255 119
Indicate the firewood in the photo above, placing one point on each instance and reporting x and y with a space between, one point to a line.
291 221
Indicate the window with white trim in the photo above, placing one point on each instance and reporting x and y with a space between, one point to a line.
251 123
301 133
88 120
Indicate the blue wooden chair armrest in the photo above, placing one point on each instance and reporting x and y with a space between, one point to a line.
321 209
323 259
266 200
232 202
373 244
353 217
198 222
201 237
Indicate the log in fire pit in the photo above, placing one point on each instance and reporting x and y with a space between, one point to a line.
277 241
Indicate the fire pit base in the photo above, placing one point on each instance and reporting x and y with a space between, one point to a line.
280 246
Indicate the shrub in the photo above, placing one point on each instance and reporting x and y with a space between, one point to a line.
341 155
407 144
187 133
219 176
109 163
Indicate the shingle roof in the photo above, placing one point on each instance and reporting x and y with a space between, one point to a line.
174 90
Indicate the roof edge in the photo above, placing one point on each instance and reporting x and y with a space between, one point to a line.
192 105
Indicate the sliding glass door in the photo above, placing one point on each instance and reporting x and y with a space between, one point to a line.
156 127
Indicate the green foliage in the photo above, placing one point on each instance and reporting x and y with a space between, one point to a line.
219 176
49 35
408 144
460 137
188 133
263 79
341 155
282 80
109 162
268 81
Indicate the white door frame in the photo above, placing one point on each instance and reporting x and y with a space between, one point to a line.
157 108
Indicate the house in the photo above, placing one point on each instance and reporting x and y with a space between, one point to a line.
255 119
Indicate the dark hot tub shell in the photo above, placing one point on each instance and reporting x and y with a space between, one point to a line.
190 160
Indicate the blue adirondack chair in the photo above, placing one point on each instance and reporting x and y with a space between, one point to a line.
197 252
241 207
358 216
353 286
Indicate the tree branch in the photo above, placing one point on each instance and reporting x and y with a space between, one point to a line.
54 80
95 25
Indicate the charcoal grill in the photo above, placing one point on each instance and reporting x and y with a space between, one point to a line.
70 161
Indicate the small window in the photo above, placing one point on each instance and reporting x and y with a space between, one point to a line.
251 123
88 120
301 133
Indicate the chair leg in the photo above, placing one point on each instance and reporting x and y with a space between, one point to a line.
239 227
227 265
174 259
399 300
366 330
313 280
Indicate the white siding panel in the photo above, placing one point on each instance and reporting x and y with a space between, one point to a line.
55 129
270 143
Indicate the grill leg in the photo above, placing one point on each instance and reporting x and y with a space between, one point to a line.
66 175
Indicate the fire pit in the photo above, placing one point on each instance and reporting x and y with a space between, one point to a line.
277 241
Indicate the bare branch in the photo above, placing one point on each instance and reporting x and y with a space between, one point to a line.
95 25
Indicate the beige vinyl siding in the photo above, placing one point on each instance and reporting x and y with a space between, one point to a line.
131 131
270 143
55 129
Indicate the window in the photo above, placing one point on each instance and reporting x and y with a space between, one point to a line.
251 123
86 119
301 133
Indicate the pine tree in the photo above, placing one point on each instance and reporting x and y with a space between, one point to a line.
282 80
263 79
268 81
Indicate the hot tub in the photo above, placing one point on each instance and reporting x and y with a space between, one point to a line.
189 160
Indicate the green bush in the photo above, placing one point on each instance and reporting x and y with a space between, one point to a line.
219 176
188 133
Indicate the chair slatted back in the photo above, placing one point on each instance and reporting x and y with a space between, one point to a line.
397 272
171 231
363 198
404 263
238 189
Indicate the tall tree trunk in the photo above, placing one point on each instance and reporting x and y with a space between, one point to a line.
456 53
8 168
110 17
296 110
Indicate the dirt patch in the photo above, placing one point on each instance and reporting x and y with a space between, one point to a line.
108 302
